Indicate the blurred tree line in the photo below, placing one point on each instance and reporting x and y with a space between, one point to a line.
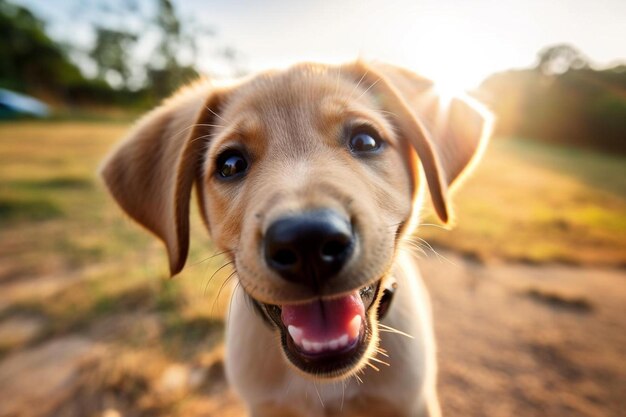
32 62
561 100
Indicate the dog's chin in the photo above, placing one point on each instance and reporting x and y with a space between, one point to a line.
330 337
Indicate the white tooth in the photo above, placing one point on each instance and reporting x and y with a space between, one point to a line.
333 344
296 334
354 327
317 347
307 345
343 340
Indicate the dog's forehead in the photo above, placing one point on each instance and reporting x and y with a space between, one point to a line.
293 82
301 92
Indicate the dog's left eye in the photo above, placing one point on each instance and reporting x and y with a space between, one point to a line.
362 142
231 163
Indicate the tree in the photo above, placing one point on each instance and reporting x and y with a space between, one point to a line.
579 105
29 60
111 54
111 70
165 71
558 59
172 59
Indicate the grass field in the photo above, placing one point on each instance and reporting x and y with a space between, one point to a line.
59 229
71 262
539 203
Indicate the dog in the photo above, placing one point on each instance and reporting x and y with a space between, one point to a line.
311 181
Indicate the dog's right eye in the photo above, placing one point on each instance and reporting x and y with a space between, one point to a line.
365 141
231 164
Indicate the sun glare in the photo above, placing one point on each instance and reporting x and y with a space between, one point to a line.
447 92
444 90
449 85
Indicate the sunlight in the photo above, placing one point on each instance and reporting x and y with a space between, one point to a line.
448 85
446 92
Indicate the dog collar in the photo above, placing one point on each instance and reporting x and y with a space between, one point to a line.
389 290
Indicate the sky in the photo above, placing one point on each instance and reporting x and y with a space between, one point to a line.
456 42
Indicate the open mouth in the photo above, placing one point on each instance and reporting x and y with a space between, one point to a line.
328 337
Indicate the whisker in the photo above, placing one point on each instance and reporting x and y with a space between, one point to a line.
204 274
368 88
379 361
208 135
230 303
219 292
420 245
388 329
318 395
358 84
206 259
215 273
358 379
209 125
216 115
414 246
433 225
435 252
183 130
426 243
382 351
387 112
191 126
372 366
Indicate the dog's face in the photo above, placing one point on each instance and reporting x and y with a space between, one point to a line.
313 187
308 179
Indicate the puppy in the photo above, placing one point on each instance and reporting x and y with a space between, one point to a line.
310 179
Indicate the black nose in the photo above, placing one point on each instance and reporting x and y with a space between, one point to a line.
310 247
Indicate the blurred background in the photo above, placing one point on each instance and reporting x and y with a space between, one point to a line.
529 288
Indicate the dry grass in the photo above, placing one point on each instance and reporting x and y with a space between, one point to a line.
536 203
55 219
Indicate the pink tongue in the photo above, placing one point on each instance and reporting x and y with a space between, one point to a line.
324 319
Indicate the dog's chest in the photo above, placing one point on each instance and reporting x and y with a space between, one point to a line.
310 398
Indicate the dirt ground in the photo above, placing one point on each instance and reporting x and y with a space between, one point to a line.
521 340
514 340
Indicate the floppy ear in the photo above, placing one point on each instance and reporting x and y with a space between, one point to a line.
446 136
151 173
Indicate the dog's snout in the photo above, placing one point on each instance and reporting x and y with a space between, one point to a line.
310 247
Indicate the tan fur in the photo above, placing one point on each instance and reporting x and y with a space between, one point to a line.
291 124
